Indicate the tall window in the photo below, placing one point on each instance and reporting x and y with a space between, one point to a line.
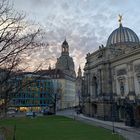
122 88
63 49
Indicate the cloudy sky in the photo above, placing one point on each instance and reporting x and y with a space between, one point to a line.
85 23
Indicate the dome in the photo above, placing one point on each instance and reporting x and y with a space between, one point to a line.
122 35
65 62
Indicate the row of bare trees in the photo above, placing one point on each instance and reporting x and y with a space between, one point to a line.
18 39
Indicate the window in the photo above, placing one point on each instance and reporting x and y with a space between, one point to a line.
44 102
121 82
95 86
40 95
37 83
40 101
122 90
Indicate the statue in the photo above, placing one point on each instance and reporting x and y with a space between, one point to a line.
102 46
120 19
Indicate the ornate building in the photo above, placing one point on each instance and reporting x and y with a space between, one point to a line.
65 62
112 78
79 88
63 78
66 65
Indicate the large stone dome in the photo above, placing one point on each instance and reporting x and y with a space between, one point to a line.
122 35
65 62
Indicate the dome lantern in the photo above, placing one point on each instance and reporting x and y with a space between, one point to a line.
65 48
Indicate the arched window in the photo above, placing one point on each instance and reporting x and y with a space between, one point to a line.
63 49
121 81
66 49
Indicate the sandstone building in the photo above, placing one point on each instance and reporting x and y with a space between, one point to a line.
112 78
63 77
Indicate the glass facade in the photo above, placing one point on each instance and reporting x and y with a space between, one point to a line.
33 92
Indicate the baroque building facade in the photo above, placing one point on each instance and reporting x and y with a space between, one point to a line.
112 78
63 77
65 62
66 65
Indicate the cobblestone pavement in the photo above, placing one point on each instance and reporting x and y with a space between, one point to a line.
129 133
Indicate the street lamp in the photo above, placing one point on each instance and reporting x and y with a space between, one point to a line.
14 136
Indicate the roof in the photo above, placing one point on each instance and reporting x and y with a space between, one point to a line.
122 35
52 73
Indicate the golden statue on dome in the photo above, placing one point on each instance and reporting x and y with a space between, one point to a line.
120 19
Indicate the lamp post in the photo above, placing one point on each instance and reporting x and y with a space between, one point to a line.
14 136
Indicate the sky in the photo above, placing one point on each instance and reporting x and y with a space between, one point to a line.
85 24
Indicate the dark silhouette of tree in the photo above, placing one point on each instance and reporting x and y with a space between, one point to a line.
18 39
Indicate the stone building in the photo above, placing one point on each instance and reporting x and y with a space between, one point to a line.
79 88
63 78
65 62
66 65
63 87
112 78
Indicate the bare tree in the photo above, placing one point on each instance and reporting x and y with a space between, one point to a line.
18 39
